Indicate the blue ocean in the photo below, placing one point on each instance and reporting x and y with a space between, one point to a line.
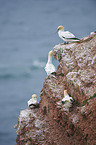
27 34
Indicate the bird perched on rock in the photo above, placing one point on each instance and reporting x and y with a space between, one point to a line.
67 100
66 35
33 102
50 68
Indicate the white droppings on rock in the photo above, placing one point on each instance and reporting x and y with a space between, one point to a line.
75 119
93 60
37 123
83 110
73 76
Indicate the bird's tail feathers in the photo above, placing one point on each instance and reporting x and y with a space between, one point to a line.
75 39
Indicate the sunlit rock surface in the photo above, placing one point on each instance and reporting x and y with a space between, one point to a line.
51 124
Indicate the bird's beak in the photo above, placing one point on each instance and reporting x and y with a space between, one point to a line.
57 30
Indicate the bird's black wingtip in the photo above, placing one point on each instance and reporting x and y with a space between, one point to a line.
53 73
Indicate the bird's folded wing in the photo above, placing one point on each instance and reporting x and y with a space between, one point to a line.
67 34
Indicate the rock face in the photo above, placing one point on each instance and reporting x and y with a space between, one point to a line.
51 124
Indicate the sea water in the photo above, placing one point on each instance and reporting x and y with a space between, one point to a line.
27 34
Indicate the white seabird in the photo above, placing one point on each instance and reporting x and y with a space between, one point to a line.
33 102
67 100
50 68
92 33
66 35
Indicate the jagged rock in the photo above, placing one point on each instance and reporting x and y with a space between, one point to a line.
51 124
78 63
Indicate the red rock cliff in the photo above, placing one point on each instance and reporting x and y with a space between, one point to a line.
50 124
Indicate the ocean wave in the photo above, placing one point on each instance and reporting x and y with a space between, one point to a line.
12 75
9 72
38 64
21 70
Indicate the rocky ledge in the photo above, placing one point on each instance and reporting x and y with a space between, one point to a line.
51 124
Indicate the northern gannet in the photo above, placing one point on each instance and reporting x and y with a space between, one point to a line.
67 100
66 35
50 68
92 33
33 102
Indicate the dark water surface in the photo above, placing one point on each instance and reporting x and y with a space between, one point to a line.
27 34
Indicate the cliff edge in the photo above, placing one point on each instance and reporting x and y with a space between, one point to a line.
51 124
